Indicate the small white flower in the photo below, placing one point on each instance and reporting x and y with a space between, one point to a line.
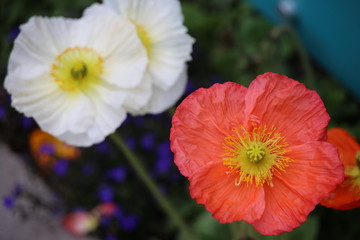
160 27
73 76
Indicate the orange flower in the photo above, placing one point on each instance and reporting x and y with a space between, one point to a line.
46 149
347 194
256 154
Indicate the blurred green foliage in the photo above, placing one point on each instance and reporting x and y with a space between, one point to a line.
233 43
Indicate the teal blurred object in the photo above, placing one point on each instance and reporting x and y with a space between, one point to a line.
329 29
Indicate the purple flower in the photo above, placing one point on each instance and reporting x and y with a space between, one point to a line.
111 237
9 202
159 115
119 213
103 148
129 222
105 193
164 158
26 122
148 141
190 87
162 165
2 112
117 174
88 169
164 151
13 33
139 121
61 167
47 148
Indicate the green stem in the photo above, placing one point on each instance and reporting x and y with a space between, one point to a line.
150 184
240 230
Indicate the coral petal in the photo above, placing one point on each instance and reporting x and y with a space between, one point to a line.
314 165
201 123
212 186
291 104
285 209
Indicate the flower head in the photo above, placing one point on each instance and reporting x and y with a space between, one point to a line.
347 194
159 25
105 209
80 223
117 174
61 167
256 154
8 202
129 222
105 193
46 149
74 75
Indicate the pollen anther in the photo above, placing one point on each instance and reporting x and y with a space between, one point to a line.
255 155
79 71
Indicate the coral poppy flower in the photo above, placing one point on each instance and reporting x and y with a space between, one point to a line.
347 194
256 154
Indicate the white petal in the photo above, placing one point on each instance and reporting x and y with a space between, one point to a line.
105 120
98 9
168 58
124 56
148 12
66 113
164 99
39 42
20 83
169 42
139 97
80 140
43 38
110 94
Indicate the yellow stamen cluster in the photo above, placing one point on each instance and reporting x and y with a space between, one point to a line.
77 69
353 174
144 37
255 155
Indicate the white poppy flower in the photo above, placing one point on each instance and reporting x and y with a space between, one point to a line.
160 27
73 76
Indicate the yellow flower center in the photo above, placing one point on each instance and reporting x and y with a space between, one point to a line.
353 174
255 152
255 155
77 69
144 37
